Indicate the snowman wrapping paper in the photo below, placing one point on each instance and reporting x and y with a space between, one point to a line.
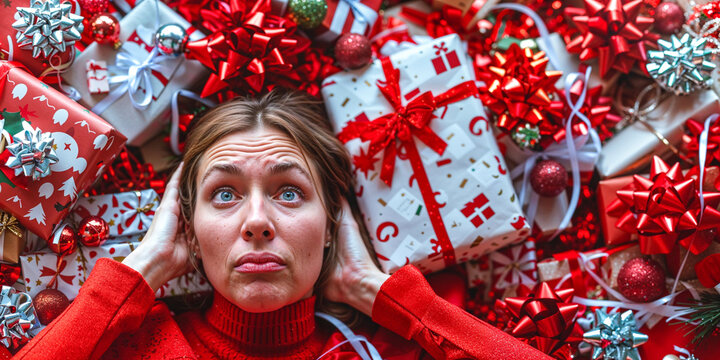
438 191
83 143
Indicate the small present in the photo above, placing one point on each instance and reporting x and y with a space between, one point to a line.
76 147
448 198
564 270
606 194
138 103
12 238
33 48
128 213
629 151
514 267
97 76
347 16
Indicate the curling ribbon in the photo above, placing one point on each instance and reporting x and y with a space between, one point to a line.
132 77
399 128
350 337
581 152
363 18
175 123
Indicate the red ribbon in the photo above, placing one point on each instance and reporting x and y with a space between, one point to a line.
46 271
665 209
612 31
398 128
9 274
127 173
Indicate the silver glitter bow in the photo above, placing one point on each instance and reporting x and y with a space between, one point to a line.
682 65
48 27
614 336
33 152
17 316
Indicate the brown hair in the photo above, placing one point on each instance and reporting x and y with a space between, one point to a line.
303 120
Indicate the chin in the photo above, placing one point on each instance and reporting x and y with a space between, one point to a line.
260 297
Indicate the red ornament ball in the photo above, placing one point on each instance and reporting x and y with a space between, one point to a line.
48 304
105 29
93 231
549 178
93 7
642 280
669 18
353 51
63 240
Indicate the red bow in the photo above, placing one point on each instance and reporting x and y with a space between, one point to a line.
398 128
544 317
614 32
9 274
692 140
437 23
55 273
597 108
665 209
127 173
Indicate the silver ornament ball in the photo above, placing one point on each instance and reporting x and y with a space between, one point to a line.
170 39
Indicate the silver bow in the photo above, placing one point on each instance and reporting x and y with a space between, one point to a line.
682 65
17 316
48 27
615 336
33 152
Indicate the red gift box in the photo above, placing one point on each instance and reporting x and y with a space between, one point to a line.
607 192
11 52
347 16
83 143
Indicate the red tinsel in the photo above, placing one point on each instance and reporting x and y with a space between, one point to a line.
614 32
665 209
692 141
546 318
518 90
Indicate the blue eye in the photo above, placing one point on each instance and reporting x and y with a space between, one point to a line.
226 196
288 195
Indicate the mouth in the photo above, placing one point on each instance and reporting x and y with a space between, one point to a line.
259 263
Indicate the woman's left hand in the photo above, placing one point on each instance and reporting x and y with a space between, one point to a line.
355 280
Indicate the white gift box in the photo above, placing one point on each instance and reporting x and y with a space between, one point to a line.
169 74
468 183
127 213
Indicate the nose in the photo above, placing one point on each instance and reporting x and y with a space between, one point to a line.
257 224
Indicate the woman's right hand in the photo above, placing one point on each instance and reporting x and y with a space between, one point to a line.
163 252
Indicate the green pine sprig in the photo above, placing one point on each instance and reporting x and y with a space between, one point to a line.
705 317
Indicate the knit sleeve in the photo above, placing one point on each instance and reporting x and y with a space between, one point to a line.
113 300
407 305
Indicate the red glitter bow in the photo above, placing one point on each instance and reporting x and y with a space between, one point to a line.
692 140
612 31
518 90
389 131
597 108
665 209
544 317
249 50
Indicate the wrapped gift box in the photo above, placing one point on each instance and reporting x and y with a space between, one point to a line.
169 74
128 213
12 238
606 194
83 142
39 268
347 16
630 150
442 206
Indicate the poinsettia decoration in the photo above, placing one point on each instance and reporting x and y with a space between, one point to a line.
612 31
665 209
520 91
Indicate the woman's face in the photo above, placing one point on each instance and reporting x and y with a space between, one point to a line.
259 221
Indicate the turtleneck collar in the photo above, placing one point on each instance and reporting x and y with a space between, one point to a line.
282 328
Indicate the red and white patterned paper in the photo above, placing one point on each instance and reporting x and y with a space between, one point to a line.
97 76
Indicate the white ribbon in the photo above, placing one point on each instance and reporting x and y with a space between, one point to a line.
579 152
175 124
133 77
515 266
364 18
355 340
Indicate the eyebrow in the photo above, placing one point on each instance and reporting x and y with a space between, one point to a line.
274 169
225 168
283 167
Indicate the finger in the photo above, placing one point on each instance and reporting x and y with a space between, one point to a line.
170 198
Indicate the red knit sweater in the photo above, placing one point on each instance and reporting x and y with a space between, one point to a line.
115 316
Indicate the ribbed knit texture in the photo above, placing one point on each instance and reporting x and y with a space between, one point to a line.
228 332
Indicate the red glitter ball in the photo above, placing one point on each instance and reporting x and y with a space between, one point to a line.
669 18
549 178
49 303
642 280
353 51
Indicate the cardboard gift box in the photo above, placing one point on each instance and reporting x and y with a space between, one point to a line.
12 238
630 150
40 269
168 74
428 205
83 143
128 213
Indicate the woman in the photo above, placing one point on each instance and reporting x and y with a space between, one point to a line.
259 206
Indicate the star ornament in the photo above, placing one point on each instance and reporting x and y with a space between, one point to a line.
47 27
615 337
682 65
32 152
